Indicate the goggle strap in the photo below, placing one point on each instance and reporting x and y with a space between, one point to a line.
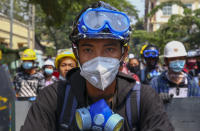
120 60
76 50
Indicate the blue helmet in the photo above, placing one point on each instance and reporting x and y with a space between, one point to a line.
192 53
101 21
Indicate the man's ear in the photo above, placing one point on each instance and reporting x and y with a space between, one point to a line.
166 61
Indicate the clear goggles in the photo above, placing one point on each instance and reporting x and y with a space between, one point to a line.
95 20
150 53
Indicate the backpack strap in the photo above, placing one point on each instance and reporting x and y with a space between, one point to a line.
142 75
129 104
68 109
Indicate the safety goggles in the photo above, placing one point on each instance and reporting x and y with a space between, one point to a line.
150 53
95 20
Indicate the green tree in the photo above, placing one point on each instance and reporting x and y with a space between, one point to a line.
54 18
183 28
20 9
58 11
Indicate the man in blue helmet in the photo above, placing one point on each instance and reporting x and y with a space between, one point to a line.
97 96
150 56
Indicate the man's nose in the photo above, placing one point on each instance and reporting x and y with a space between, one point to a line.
100 52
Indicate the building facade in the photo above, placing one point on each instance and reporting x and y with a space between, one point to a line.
162 16
22 35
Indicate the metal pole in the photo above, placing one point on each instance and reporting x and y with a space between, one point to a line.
29 24
11 24
148 19
33 26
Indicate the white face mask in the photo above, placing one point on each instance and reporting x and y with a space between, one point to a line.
100 71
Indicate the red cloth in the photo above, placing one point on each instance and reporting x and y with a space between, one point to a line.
185 69
56 74
188 68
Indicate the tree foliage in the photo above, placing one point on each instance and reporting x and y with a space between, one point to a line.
54 18
10 55
57 11
21 9
185 28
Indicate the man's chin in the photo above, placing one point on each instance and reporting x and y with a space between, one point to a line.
103 96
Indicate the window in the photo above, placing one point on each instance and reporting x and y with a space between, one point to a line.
188 6
20 45
167 10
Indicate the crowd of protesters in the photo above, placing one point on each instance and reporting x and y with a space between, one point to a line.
98 67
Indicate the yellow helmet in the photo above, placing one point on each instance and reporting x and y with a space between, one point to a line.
65 53
28 54
143 47
0 54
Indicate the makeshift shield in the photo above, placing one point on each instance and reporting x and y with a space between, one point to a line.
7 98
184 113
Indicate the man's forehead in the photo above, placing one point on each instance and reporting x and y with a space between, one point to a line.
134 60
67 60
177 58
102 42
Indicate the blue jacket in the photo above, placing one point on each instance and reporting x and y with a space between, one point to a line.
147 75
161 84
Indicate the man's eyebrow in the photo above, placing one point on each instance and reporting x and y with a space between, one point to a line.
110 44
86 44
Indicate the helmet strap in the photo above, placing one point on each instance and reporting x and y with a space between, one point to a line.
75 49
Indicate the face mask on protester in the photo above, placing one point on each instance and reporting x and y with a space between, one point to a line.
27 65
177 65
191 65
134 69
100 71
151 63
48 71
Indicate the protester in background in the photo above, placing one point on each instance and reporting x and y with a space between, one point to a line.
198 60
191 63
124 69
1 58
28 82
164 67
48 69
174 82
133 65
117 101
64 62
150 58
198 65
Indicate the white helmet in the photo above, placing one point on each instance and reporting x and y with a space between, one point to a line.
131 56
49 62
174 49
